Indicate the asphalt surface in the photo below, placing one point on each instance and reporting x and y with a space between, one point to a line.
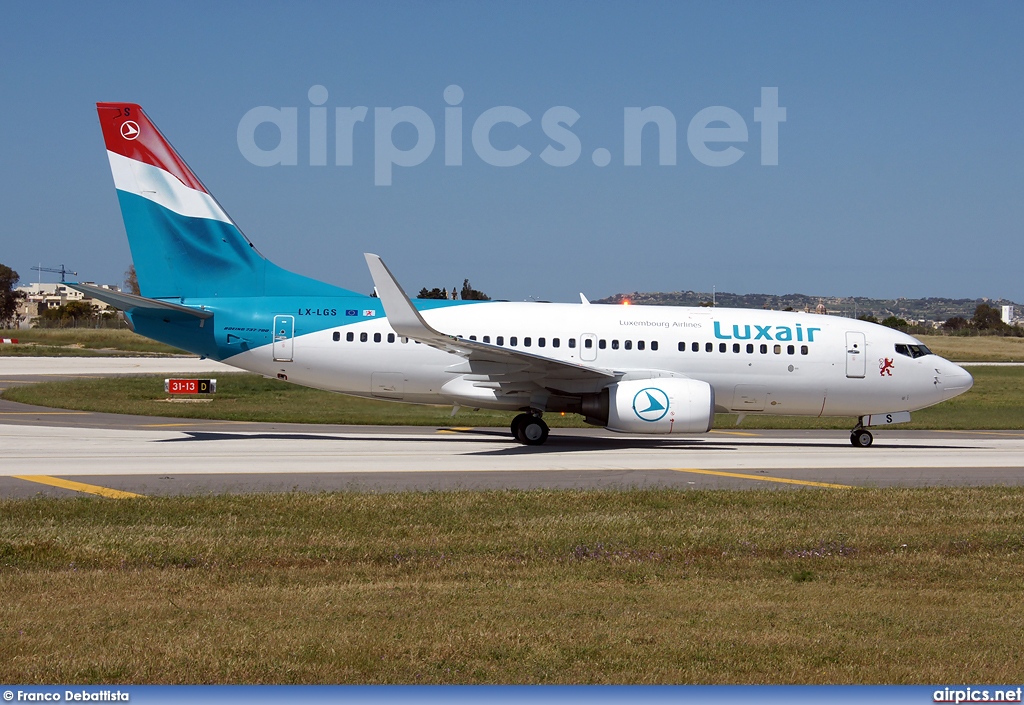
71 453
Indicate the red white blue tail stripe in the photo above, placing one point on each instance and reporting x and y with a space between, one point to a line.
183 243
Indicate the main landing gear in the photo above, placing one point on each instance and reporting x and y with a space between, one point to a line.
861 437
529 429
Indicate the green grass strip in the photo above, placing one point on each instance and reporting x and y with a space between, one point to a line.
630 586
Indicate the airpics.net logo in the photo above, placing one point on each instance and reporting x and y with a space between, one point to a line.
712 134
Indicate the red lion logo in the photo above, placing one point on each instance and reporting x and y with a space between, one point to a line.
885 365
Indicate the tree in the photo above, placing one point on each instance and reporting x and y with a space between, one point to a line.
895 322
434 293
131 281
70 314
988 318
870 318
9 298
956 324
471 294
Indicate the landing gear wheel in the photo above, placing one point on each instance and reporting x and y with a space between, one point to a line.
533 431
517 426
529 429
861 438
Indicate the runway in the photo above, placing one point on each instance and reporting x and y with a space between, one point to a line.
64 453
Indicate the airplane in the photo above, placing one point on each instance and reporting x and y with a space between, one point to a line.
205 288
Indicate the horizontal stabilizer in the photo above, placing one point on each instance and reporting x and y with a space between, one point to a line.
131 302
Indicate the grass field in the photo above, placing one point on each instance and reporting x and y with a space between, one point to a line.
995 402
976 349
80 342
652 586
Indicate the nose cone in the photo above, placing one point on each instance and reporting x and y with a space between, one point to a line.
954 380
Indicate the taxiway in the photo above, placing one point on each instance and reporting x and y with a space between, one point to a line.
57 452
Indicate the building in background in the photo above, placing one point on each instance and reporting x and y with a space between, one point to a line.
49 295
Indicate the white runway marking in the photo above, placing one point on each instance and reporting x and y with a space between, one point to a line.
43 450
85 366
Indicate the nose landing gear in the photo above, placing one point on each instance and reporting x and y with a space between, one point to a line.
861 437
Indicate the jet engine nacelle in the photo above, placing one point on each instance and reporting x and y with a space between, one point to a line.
666 405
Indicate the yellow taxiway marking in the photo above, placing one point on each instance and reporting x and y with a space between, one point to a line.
455 429
78 486
766 478
734 433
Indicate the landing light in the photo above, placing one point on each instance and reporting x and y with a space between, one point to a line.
627 302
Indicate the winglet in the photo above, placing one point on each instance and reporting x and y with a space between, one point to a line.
584 299
402 315
408 323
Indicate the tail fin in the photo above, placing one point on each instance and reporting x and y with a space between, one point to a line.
183 243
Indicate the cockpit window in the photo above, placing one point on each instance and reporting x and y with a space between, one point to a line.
914 351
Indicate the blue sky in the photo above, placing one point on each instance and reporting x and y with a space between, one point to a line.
901 160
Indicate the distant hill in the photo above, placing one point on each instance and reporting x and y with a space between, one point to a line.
915 310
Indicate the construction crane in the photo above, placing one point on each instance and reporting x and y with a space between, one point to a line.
62 271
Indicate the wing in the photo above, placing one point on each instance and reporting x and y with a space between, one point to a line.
486 364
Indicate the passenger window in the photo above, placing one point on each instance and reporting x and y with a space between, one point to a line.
527 342
336 336
654 345
555 343
391 337
404 340
602 344
540 342
764 349
778 349
487 338
750 348
722 347
615 345
695 347
640 345
803 350
628 345
708 347
682 347
513 341
472 337
500 340
572 343
735 347
790 350
363 337
376 337
350 336
588 343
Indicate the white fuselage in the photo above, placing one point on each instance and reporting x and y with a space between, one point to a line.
758 362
